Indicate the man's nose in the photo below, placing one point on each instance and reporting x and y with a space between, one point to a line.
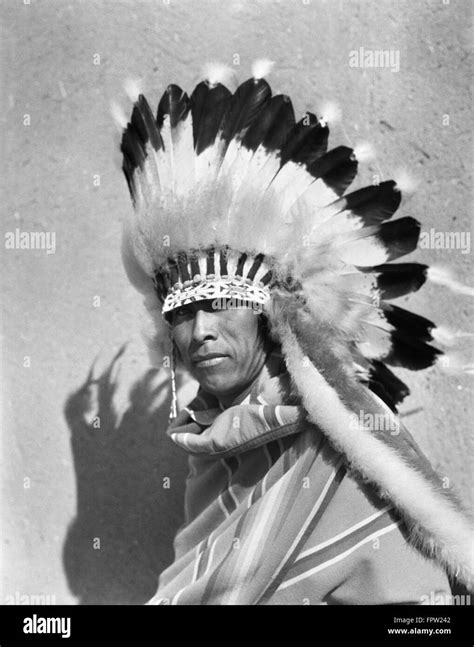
204 326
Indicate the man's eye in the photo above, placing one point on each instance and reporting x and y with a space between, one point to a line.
182 311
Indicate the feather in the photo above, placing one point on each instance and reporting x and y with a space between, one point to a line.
118 115
218 74
244 107
448 337
398 337
334 171
372 204
261 67
174 121
272 128
379 244
331 113
382 378
208 104
173 104
145 125
397 349
261 144
337 168
142 135
133 90
405 182
306 142
133 148
442 276
362 208
408 322
397 279
364 152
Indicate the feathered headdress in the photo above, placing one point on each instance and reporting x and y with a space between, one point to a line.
235 198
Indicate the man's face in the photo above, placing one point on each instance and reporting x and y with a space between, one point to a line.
222 348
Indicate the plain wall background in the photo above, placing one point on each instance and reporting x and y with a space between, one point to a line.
64 483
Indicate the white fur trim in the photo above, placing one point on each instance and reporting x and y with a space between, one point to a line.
408 489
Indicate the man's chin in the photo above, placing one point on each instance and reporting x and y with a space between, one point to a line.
218 385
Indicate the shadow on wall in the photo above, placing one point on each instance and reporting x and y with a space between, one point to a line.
127 512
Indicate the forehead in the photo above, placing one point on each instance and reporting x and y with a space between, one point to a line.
227 310
220 304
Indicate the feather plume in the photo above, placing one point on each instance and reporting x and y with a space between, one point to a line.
133 89
118 115
218 73
331 114
444 277
405 182
261 68
364 152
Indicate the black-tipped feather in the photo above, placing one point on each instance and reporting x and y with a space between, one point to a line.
174 103
337 168
407 322
410 353
400 237
373 204
208 105
387 383
244 107
272 128
133 148
408 347
141 130
144 123
128 172
306 142
397 279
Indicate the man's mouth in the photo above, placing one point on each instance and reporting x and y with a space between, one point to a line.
212 359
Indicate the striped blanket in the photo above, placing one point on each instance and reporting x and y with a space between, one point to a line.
272 515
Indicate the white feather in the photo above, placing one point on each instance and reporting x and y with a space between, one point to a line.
405 182
118 115
133 89
261 68
215 73
454 363
447 337
441 276
363 252
364 152
331 113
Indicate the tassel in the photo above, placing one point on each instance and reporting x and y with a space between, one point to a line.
174 396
